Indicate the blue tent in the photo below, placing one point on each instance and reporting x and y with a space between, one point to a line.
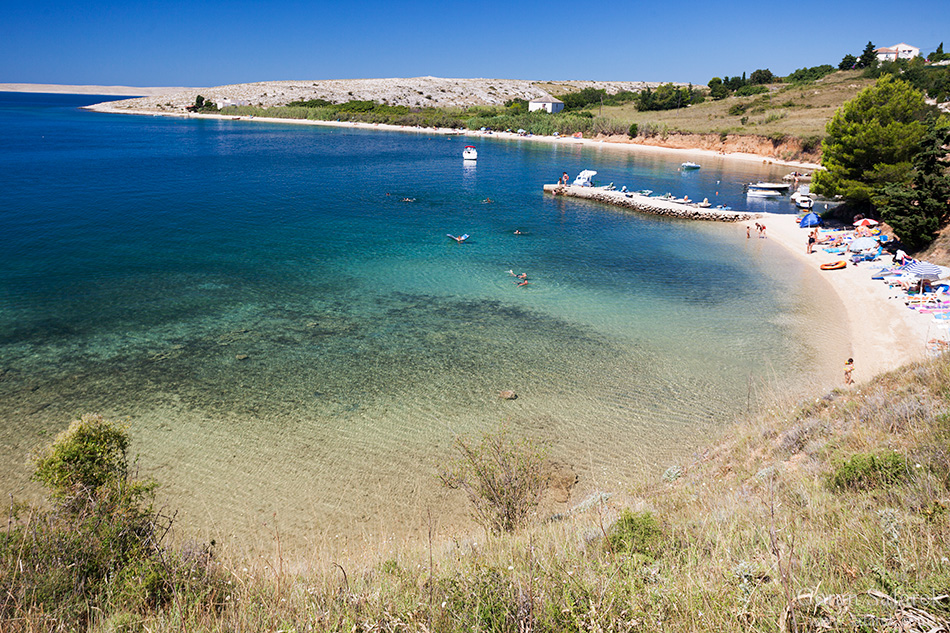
810 220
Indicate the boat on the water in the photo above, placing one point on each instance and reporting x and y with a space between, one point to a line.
469 153
688 165
775 186
759 192
584 179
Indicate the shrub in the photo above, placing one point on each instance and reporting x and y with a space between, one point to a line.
748 90
632 130
636 533
502 477
738 108
865 472
99 548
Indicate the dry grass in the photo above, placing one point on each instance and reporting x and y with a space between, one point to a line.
751 537
801 111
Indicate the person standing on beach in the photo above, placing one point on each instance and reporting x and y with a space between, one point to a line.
748 231
564 178
812 238
848 368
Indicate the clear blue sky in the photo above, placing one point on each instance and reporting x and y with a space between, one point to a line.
212 42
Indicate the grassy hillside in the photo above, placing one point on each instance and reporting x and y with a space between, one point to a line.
798 110
829 514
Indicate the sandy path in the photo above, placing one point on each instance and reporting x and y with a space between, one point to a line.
885 334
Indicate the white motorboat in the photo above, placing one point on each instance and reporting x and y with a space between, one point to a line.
690 165
804 202
758 192
585 178
469 153
774 186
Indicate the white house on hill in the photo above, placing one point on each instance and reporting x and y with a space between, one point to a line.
549 104
898 51
225 103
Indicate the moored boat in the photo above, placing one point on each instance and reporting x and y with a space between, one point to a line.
688 165
585 178
759 192
774 186
469 153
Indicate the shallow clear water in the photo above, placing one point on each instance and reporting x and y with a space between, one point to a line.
143 256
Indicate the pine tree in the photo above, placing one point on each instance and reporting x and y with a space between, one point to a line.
868 57
917 210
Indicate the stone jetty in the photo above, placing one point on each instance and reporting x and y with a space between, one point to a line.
647 204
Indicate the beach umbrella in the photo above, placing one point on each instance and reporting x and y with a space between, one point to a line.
866 222
863 244
924 270
810 219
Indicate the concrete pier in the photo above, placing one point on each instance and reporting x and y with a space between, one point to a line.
646 204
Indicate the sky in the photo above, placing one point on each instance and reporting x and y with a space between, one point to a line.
204 43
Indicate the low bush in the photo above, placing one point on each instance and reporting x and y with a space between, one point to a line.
99 548
866 472
503 478
636 533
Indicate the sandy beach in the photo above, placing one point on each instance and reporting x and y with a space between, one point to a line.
885 333
559 140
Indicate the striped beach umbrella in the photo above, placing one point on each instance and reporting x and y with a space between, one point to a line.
924 270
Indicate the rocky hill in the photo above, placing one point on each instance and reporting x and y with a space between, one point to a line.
415 92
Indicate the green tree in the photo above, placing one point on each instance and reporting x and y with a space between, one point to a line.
716 89
761 76
868 57
917 210
871 140
938 55
848 62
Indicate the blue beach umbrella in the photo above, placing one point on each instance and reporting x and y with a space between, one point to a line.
810 219
924 270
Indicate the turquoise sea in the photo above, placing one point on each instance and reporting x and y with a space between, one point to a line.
292 343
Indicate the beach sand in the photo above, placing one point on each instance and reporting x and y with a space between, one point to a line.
560 140
885 333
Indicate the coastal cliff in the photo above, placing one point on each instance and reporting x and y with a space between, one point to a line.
781 148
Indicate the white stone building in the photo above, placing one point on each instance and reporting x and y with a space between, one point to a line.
548 104
898 51
224 103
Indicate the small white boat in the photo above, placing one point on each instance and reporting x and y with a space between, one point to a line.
469 153
774 186
803 200
804 203
757 192
690 165
585 178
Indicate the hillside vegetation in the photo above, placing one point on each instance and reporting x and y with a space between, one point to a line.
829 514
800 110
